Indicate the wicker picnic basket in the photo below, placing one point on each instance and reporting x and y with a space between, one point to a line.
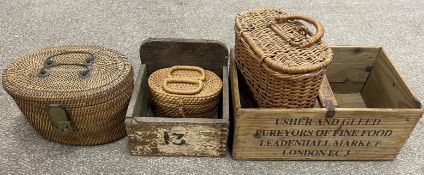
282 61
185 92
72 94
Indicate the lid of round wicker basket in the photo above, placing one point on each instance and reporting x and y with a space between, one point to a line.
108 71
212 85
269 37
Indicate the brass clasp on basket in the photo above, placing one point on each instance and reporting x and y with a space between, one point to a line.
60 119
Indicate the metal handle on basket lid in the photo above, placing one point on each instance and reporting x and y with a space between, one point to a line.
49 63
193 68
167 89
305 42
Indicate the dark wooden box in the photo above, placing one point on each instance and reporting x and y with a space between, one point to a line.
149 134
375 114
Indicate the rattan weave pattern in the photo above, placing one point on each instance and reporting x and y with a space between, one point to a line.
281 60
96 104
197 105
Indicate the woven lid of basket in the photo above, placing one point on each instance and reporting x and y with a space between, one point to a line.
67 73
185 82
282 41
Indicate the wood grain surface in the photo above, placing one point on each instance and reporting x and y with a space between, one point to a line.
371 122
149 134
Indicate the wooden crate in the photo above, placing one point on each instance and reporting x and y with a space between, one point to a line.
149 134
375 114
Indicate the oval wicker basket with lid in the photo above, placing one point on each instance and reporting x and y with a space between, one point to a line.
185 91
72 94
281 59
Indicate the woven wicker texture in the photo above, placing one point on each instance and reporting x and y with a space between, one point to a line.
282 61
182 91
93 84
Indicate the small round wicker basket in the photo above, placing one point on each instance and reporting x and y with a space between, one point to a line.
185 92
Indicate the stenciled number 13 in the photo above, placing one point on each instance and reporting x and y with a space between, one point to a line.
174 138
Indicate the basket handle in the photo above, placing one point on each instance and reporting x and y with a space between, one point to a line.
167 89
49 63
193 68
306 42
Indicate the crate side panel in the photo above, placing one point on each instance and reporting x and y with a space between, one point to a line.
350 63
159 53
353 134
178 138
225 94
134 109
235 95
350 68
385 88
